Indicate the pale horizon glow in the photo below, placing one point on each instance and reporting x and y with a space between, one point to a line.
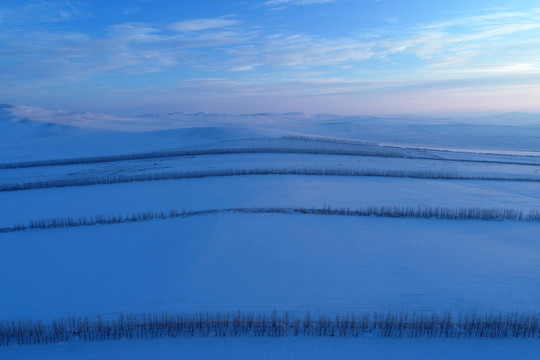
314 56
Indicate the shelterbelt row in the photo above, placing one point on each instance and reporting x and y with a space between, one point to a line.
116 179
234 324
370 151
484 214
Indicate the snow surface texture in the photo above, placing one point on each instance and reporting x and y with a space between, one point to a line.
262 262
283 348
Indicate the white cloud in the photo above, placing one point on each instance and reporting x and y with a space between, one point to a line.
138 32
281 4
132 48
299 51
242 68
202 24
295 2
491 92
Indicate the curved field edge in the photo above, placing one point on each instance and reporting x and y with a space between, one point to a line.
115 179
235 324
384 152
491 214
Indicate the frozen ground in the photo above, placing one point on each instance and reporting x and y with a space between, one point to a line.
269 261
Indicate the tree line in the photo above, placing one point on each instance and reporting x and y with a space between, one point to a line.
178 175
484 214
385 152
234 324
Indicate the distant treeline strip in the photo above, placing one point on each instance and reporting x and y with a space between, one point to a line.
366 143
236 324
199 152
115 179
384 152
330 140
485 214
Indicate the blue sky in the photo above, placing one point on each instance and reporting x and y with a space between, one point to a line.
245 56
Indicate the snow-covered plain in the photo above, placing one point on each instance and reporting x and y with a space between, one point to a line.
262 262
257 262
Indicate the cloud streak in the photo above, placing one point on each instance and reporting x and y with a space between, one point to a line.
281 4
202 24
40 11
127 48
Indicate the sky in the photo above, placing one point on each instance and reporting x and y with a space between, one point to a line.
247 56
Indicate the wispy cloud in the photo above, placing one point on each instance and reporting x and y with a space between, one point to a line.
131 10
281 4
339 86
41 11
202 24
299 51
437 47
126 48
470 41
344 96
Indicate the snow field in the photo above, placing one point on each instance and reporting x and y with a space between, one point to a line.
282 348
262 262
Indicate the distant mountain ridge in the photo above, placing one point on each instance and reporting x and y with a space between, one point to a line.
32 132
